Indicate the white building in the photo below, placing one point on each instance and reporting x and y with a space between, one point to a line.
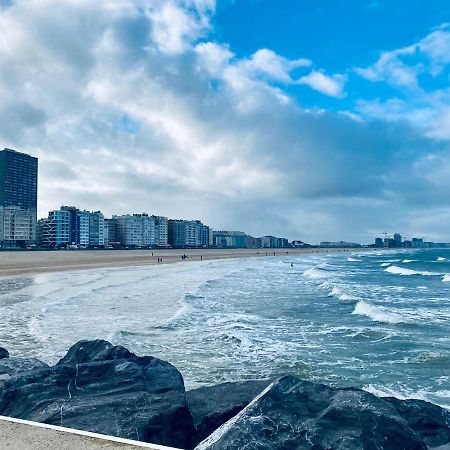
17 226
142 230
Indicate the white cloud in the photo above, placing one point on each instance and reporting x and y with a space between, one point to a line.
399 68
328 85
437 47
174 27
391 69
267 63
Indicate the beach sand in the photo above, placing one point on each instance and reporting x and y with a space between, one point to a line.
33 262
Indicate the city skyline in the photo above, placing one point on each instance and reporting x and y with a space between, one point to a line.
290 125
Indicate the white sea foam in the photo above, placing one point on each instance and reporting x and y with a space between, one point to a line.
386 264
350 259
446 278
405 272
317 272
441 259
407 261
377 313
337 292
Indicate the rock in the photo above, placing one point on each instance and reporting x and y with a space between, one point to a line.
294 414
3 353
429 421
212 406
105 389
10 367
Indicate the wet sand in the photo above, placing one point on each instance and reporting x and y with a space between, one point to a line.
33 262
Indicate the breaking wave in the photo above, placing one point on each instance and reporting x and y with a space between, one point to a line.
402 271
377 313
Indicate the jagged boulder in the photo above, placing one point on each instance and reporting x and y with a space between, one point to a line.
294 414
3 353
9 367
212 406
429 421
106 389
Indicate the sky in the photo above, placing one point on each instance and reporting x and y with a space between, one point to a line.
315 120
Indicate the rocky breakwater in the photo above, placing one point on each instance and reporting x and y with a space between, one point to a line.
106 389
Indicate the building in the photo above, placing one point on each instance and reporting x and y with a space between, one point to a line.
110 234
274 242
79 226
18 198
339 244
417 243
161 231
54 231
142 230
378 242
96 229
189 233
17 227
231 239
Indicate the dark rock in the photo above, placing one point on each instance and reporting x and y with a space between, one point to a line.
10 367
3 353
212 406
295 414
105 389
429 421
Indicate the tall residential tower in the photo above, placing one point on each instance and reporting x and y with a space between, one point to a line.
18 198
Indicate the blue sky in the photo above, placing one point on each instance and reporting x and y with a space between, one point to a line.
319 120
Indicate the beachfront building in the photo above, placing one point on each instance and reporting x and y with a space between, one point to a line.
79 226
339 244
161 231
232 239
54 231
69 226
417 243
17 227
111 237
378 242
141 230
273 242
18 198
189 233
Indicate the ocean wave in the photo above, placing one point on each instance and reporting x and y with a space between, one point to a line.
441 259
317 272
377 313
446 278
432 358
350 259
407 261
337 292
386 264
405 272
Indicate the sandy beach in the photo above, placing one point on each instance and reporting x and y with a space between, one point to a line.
33 262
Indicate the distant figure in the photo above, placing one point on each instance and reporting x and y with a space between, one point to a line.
292 264
201 257
273 253
266 253
152 253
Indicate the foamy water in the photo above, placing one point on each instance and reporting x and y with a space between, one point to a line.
376 320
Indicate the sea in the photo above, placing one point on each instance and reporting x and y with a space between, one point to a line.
377 320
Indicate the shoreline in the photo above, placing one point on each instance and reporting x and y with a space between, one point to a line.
14 264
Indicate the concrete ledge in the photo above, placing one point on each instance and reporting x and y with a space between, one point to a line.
17 434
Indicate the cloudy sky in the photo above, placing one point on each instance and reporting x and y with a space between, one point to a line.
315 120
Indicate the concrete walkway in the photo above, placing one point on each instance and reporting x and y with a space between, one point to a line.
18 434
